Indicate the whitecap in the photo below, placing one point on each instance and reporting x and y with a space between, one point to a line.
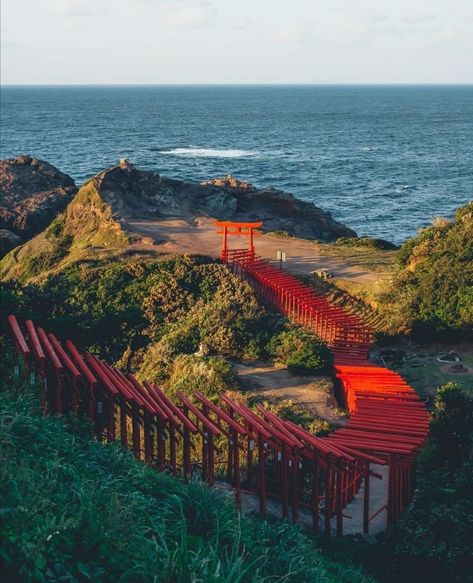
209 153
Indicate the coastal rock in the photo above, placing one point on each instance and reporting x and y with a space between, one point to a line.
134 193
124 206
230 183
32 193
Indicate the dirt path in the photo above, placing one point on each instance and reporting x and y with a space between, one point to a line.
199 236
276 384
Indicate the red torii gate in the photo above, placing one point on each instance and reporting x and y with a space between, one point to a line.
237 228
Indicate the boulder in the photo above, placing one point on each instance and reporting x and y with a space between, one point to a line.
32 194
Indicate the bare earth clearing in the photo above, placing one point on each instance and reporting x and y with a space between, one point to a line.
199 236
314 393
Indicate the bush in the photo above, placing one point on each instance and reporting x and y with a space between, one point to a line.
210 375
301 351
369 242
432 293
287 409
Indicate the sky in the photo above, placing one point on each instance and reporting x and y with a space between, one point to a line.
236 41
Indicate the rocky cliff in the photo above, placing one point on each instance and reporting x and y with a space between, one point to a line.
32 193
116 207
136 193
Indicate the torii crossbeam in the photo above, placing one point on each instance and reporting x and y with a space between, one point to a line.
233 228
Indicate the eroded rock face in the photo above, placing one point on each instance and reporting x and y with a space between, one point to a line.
8 241
32 193
133 193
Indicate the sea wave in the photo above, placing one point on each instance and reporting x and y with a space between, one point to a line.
209 153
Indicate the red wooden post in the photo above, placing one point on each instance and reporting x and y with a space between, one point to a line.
391 488
211 459
186 448
295 485
339 502
315 492
225 245
249 455
135 427
161 442
236 468
262 475
172 448
284 484
146 437
328 497
123 420
110 418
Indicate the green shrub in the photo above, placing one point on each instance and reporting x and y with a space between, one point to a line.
432 293
301 351
210 375
369 242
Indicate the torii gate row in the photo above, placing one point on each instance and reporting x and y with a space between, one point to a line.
388 419
188 434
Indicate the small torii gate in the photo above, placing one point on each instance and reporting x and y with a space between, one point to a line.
237 228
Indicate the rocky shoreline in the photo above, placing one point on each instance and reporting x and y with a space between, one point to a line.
33 193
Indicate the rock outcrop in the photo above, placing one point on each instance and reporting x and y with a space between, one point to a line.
32 193
104 214
137 193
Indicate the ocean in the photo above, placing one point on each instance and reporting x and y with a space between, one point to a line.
384 160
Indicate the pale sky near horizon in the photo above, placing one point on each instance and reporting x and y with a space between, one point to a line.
236 41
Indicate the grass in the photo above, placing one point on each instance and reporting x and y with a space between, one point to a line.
378 260
76 510
425 374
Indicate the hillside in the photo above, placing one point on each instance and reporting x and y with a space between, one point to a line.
88 223
76 510
432 290
32 193
125 208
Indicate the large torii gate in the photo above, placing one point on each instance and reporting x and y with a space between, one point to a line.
237 228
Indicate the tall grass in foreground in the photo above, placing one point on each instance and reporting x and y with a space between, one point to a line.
75 510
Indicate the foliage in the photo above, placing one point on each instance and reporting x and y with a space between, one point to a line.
112 306
210 375
433 289
56 247
370 242
287 409
301 351
76 510
175 322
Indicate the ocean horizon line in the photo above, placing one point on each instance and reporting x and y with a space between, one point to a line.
233 85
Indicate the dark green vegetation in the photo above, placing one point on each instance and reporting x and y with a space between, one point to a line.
432 292
286 409
300 351
369 242
178 322
76 510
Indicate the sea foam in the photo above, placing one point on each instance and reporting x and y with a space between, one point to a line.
209 153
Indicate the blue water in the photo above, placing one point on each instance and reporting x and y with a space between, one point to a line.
383 160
